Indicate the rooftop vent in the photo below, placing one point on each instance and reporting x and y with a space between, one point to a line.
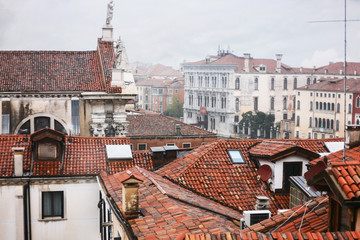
262 203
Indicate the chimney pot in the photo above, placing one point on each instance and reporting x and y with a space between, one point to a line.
262 203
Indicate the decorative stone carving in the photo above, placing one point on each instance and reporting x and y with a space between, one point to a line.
109 128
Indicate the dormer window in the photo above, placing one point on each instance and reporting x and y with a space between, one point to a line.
48 151
236 156
262 68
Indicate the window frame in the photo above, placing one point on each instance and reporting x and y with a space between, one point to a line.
229 151
138 146
62 215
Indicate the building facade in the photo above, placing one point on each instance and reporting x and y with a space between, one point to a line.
219 89
321 108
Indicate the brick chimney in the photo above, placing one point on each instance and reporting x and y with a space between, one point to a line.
246 62
18 161
130 197
278 62
262 203
352 136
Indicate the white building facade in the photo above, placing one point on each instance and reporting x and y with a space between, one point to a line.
219 89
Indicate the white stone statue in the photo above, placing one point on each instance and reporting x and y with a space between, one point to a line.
110 11
121 61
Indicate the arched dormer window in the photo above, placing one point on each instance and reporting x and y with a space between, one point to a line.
40 121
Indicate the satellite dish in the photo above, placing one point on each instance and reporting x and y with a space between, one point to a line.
264 172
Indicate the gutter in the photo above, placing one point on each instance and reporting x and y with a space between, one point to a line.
27 211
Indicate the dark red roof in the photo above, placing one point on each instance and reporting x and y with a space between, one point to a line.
334 84
82 156
209 170
347 175
148 125
57 71
169 210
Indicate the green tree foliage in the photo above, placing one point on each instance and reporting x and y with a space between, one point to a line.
175 109
258 120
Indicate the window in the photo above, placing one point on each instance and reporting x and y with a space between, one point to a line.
189 114
207 81
222 118
309 135
338 107
315 136
349 108
285 83
237 84
5 123
213 79
223 102
224 82
295 83
308 81
142 146
186 145
75 116
272 103
285 103
256 84
310 122
236 156
256 102
314 81
48 151
298 104
236 118
297 134
272 83
311 105
52 204
297 121
237 103
213 102
206 101
337 125
170 144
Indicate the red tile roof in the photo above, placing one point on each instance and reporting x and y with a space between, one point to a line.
169 210
311 217
149 125
82 156
347 235
334 84
347 175
158 70
273 150
57 71
208 170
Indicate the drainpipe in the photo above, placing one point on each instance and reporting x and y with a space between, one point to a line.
27 211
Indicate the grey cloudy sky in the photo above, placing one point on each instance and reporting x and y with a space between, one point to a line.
173 31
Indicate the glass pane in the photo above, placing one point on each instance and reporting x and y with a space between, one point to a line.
5 125
59 127
42 122
75 116
58 203
46 204
236 156
25 128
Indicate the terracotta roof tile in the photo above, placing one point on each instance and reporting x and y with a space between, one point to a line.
169 210
82 156
145 125
208 170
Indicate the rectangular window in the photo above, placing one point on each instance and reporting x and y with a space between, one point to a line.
272 84
236 156
5 124
256 103
186 145
142 146
75 116
52 204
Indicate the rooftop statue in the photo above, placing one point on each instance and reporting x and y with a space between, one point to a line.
110 11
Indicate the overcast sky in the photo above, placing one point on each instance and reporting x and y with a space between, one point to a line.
173 31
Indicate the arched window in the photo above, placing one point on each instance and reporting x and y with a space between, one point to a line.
298 104
272 103
272 84
284 103
237 83
256 84
37 122
338 107
295 83
310 122
332 107
324 106
358 101
308 81
317 105
316 122
327 123
337 125
328 106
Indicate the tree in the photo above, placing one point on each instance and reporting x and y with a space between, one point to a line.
260 124
175 109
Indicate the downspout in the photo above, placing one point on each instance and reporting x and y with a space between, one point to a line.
27 211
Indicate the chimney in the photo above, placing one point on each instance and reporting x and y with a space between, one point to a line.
130 197
262 203
18 160
352 136
278 62
301 69
178 129
246 62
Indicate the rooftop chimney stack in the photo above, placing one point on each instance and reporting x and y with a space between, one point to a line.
178 129
262 203
18 160
278 62
246 62
130 197
352 136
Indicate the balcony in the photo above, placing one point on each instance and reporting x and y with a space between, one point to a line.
323 130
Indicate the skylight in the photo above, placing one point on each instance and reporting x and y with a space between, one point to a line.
118 152
236 156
